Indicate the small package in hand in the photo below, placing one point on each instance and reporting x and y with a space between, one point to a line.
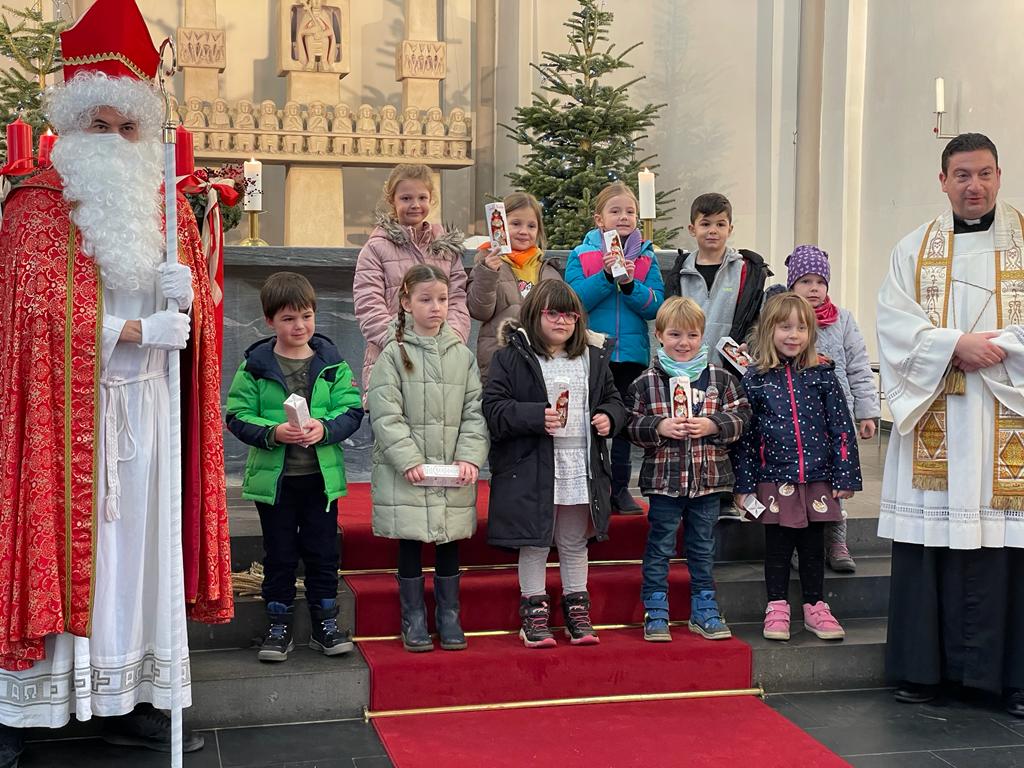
682 396
562 402
439 475
613 245
297 410
752 506
497 226
733 355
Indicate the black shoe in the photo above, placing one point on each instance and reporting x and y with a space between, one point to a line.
326 636
147 727
578 626
415 636
1014 702
278 643
915 693
534 616
12 742
624 503
449 630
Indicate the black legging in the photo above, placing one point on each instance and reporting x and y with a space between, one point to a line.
778 548
410 559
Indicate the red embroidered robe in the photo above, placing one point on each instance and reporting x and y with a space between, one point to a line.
50 329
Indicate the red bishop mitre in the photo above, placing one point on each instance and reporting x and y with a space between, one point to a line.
112 37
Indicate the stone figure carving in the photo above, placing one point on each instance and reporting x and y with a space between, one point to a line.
458 128
342 124
315 42
196 118
269 142
435 127
245 120
316 123
201 48
292 124
366 124
389 130
220 119
411 126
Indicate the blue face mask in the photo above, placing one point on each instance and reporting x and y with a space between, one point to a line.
692 369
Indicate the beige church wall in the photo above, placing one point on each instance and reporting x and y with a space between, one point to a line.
906 46
729 88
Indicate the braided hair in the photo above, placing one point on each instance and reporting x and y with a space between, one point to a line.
415 275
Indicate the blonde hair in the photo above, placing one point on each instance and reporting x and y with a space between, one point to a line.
404 172
615 189
679 312
776 311
518 200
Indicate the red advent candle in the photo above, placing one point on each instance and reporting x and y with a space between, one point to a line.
185 163
46 142
19 142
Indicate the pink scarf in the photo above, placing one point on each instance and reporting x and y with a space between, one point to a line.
827 313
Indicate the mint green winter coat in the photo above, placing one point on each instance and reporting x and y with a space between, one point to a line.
429 415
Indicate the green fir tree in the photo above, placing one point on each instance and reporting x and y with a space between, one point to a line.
33 44
585 134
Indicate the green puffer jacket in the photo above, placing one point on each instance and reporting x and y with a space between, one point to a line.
255 407
429 415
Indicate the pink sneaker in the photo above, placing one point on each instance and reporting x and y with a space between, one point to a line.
818 619
776 620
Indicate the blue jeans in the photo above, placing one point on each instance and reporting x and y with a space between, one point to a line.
698 517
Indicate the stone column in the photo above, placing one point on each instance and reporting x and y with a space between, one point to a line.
808 142
201 52
484 107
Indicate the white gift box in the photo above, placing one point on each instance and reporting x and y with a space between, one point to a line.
613 244
681 396
497 226
439 474
297 410
730 352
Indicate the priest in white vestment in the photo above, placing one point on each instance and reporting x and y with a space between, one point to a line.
951 342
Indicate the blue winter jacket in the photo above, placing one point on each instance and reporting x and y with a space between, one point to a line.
800 431
621 312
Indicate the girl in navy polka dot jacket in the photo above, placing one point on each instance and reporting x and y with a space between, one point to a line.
798 457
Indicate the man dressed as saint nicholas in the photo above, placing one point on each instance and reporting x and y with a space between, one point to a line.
951 340
89 625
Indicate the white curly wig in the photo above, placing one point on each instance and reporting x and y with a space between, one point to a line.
71 107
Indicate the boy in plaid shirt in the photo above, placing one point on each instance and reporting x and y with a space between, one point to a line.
686 464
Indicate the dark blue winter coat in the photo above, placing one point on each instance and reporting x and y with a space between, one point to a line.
800 431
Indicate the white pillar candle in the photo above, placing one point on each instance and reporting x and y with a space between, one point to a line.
645 181
253 170
940 95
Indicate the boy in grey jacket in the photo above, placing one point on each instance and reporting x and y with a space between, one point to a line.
841 341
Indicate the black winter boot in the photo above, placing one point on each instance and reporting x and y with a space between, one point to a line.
446 595
576 606
534 614
146 726
278 643
415 637
12 741
326 636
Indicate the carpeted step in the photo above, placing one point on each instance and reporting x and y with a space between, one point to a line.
490 599
697 733
499 668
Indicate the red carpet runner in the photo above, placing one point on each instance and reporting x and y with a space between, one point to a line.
498 669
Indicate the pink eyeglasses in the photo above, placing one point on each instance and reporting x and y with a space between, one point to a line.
564 317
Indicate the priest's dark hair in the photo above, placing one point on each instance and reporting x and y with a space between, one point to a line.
968 142
415 275
286 290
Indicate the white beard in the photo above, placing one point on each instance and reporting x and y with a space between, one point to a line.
114 187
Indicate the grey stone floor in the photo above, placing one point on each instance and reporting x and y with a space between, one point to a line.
868 728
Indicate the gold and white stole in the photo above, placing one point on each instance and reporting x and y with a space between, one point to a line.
934 281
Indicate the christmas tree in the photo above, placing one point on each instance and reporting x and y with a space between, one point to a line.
585 134
34 46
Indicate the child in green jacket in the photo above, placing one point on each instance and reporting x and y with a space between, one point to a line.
295 474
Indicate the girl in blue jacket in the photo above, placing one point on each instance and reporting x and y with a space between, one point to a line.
620 310
796 460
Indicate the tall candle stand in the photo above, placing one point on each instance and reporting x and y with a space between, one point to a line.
647 229
254 231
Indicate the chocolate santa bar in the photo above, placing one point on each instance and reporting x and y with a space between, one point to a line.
497 226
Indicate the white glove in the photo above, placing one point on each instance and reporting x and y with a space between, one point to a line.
165 330
176 284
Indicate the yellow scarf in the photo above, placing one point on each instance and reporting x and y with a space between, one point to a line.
525 265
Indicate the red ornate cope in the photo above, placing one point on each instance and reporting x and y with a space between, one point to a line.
51 320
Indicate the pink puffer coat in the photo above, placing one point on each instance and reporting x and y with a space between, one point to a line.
382 264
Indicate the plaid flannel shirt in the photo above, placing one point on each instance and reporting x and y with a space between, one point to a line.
665 469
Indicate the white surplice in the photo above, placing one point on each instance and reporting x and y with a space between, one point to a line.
126 659
914 357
